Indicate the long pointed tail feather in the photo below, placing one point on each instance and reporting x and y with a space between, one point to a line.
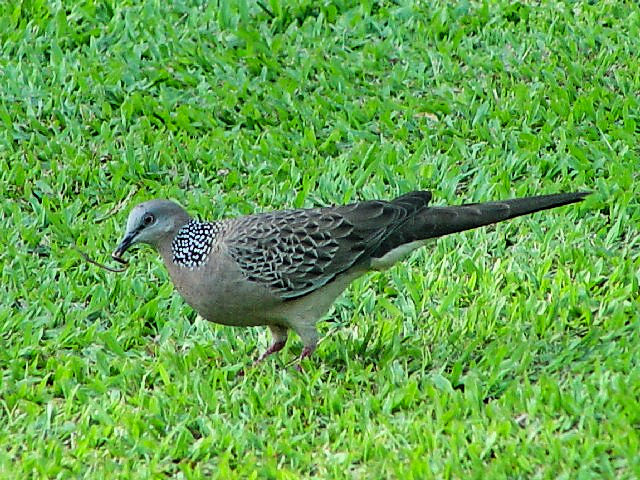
439 221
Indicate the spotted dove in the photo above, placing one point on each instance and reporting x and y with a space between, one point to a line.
284 269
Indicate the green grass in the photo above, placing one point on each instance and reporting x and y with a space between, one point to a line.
504 352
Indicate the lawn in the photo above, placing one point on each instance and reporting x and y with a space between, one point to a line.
505 352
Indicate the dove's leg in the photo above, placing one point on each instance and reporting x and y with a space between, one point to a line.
309 337
279 335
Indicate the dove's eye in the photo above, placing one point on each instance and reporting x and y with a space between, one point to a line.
148 219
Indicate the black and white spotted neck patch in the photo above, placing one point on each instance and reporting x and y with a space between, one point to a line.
192 245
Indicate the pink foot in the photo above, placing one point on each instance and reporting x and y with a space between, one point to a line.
306 353
275 347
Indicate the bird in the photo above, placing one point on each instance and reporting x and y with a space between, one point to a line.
284 269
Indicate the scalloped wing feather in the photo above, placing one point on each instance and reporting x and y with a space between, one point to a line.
295 252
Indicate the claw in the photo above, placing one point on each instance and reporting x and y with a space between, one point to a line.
306 353
275 347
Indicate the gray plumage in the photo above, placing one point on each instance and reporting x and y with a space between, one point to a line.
284 269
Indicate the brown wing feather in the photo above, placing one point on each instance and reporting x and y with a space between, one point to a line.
295 252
